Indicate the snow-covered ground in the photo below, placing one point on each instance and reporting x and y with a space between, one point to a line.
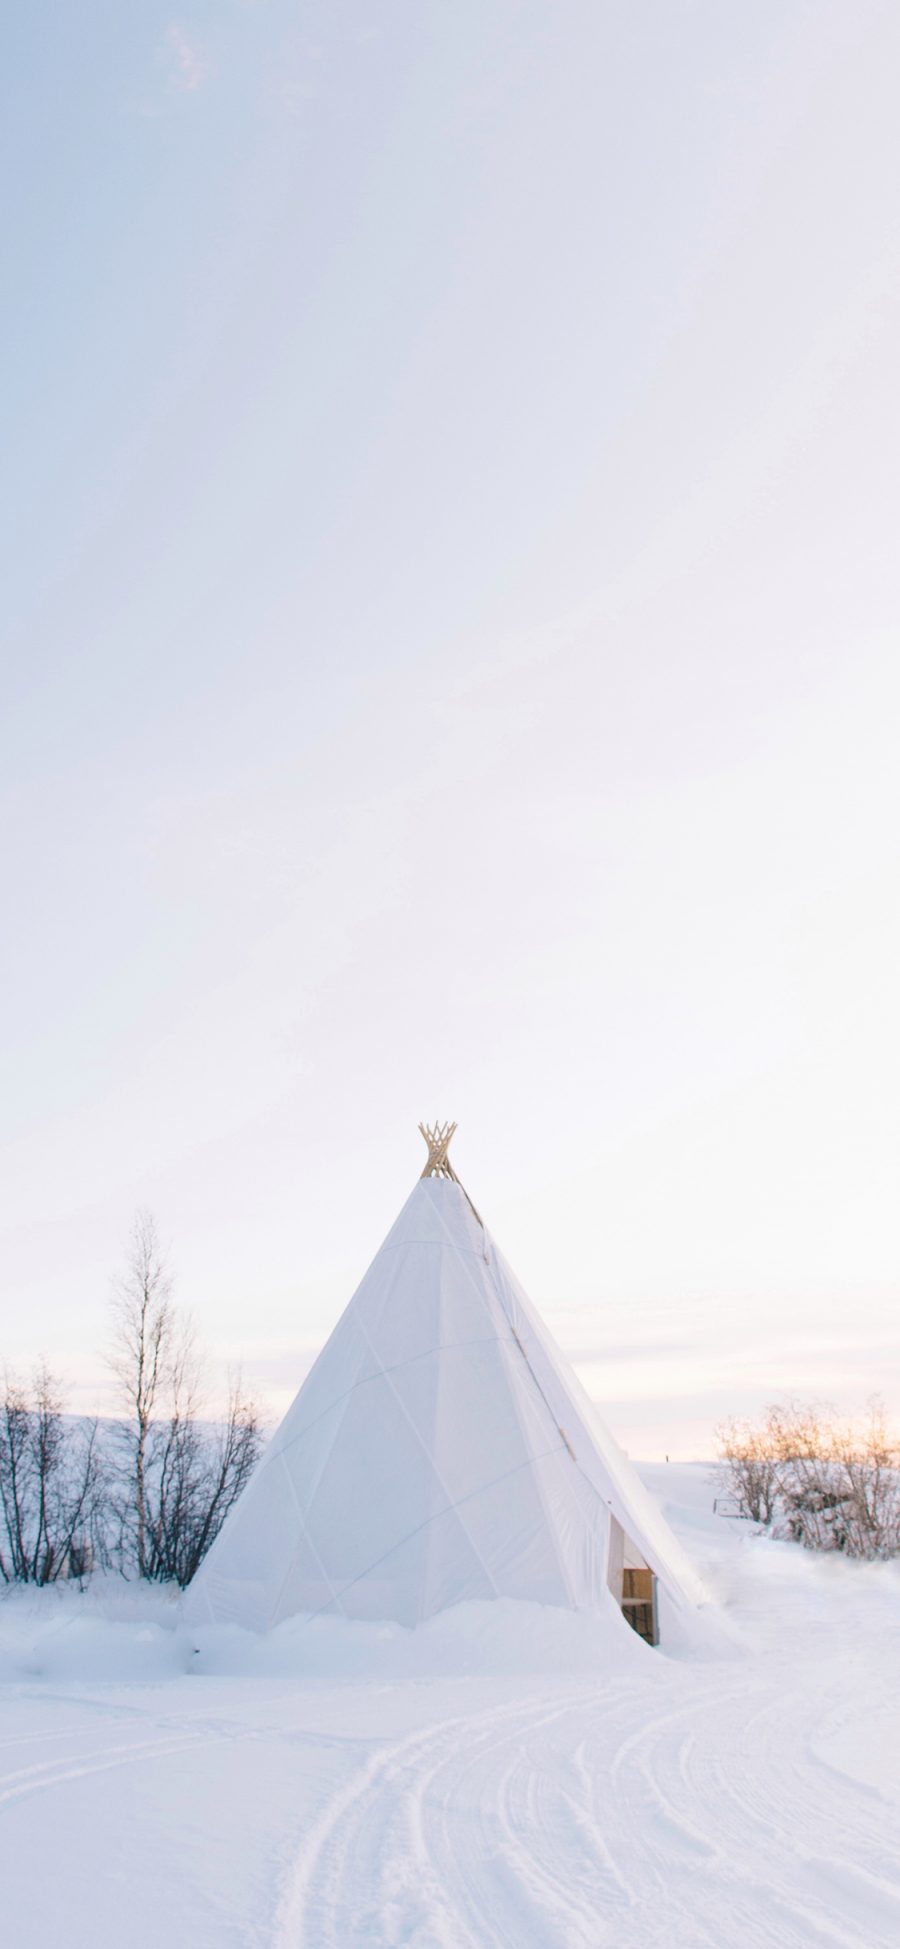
505 1776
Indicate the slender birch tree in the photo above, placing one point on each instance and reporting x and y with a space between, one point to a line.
141 1359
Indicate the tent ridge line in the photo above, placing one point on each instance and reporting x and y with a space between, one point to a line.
607 1502
557 1425
491 1261
562 1566
495 1285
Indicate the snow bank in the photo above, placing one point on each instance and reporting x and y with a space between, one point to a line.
110 1630
499 1638
119 1632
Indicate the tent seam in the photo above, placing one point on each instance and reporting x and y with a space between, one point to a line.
290 1563
443 1346
449 1509
410 1423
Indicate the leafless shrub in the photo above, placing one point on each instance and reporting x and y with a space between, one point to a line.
869 1467
50 1485
807 1476
748 1469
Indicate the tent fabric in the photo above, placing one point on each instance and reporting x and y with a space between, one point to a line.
441 1449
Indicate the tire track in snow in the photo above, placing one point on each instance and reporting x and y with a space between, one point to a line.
369 1872
516 1895
56 1773
426 1846
794 1865
568 1824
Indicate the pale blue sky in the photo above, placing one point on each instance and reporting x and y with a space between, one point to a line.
451 668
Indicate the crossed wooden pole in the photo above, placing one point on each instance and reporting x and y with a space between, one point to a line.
438 1137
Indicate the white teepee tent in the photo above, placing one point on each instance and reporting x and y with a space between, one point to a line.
441 1449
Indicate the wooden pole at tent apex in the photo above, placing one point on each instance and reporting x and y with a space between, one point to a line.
438 1137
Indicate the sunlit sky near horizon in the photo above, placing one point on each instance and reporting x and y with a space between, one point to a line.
449 534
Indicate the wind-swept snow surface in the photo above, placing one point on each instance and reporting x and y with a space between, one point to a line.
506 1777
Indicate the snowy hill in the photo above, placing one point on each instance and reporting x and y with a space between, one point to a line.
507 1775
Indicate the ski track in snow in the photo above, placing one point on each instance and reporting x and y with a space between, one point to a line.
568 1826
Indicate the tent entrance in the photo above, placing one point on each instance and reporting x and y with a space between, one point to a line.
639 1603
632 1583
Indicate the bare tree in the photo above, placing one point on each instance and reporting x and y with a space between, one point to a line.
50 1485
182 1469
141 1360
235 1452
16 1488
202 1468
